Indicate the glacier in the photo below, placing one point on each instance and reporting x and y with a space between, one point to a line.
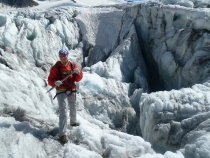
145 91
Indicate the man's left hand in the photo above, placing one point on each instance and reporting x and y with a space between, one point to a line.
76 70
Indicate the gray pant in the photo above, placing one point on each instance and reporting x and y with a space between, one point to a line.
63 110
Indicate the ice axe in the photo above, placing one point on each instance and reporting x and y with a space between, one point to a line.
61 81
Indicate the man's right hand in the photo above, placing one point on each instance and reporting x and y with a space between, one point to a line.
58 83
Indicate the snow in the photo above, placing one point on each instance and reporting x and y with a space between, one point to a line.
189 101
172 124
43 5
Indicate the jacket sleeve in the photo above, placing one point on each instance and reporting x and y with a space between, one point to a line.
52 76
77 78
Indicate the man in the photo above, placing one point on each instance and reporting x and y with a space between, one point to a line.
65 91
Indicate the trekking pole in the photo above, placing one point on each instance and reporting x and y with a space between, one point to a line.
61 81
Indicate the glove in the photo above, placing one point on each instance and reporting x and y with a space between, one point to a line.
77 71
58 83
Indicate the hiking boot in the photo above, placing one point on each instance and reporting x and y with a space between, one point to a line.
75 124
63 139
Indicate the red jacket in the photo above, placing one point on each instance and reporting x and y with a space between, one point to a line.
60 71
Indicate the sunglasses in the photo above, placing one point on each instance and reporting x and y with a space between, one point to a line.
62 55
